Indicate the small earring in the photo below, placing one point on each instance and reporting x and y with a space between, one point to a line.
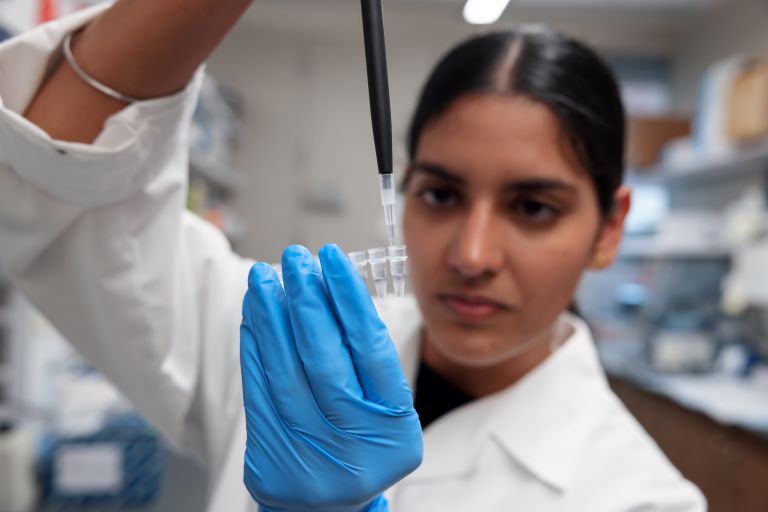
600 260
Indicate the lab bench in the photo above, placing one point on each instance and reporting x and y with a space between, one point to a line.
713 428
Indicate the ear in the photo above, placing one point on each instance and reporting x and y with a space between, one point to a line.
609 240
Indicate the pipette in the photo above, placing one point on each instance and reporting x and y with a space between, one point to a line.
381 116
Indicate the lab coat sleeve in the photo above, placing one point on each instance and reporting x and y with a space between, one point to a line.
98 239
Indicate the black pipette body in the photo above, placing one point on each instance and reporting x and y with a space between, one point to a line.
378 82
381 115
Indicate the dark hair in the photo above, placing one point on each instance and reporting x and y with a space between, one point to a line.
549 67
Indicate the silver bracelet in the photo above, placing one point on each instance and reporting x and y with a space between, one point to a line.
89 79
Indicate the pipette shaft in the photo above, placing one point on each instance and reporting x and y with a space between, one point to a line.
381 116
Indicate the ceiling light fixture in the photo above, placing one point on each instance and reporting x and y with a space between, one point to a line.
484 12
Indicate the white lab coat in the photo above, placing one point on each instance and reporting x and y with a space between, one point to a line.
97 238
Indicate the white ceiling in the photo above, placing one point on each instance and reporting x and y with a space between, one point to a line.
620 26
580 4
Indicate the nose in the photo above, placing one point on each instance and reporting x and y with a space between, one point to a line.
477 249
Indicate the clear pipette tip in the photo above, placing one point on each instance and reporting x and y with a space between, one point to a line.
390 227
387 189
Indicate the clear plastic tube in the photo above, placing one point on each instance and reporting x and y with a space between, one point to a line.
378 261
396 251
360 261
398 259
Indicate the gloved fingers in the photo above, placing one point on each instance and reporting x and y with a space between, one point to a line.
260 410
255 386
379 504
320 344
373 354
265 444
266 316
257 395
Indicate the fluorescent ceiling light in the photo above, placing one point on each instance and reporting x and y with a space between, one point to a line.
621 4
483 12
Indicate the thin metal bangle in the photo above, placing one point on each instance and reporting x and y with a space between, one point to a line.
89 79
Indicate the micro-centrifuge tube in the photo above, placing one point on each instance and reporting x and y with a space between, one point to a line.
279 270
397 268
359 260
395 257
378 260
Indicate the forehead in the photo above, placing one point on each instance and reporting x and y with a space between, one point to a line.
494 137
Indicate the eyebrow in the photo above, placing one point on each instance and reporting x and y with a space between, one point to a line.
525 185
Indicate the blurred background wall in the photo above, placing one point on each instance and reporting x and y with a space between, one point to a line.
300 71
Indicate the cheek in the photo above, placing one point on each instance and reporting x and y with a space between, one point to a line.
423 247
548 270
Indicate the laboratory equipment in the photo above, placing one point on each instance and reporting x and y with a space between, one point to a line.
372 264
377 258
381 116
398 259
360 261
120 465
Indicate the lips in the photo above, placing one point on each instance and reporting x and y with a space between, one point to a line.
472 307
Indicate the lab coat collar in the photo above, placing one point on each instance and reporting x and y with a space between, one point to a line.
543 421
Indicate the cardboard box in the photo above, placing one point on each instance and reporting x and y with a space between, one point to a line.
647 136
748 104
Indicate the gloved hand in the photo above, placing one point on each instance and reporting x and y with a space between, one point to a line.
330 417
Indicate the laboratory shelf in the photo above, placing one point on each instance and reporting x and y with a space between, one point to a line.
651 250
217 175
743 161
235 229
665 254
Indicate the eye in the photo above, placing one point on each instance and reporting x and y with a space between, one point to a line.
535 210
439 197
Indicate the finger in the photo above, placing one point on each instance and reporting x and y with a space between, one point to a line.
326 359
266 432
373 354
266 317
255 386
260 410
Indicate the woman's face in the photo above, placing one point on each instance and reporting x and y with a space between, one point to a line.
500 222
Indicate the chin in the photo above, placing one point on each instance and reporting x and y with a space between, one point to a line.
474 347
471 349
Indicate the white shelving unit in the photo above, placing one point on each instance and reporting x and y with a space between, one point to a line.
707 185
221 182
648 249
217 175
737 165
213 181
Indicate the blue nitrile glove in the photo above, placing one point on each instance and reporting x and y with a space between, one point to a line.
330 417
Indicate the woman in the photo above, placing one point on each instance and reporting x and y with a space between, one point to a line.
513 190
